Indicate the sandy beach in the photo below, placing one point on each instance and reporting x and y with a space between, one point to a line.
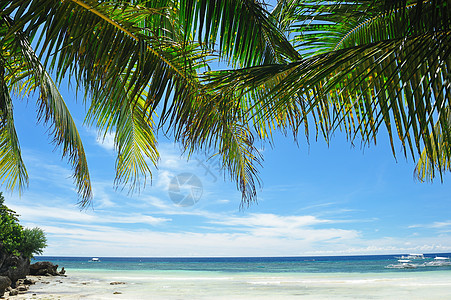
80 284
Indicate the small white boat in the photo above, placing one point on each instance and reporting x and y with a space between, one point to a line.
403 264
439 261
412 256
95 259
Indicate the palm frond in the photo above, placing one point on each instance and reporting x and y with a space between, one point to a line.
130 67
364 68
25 68
12 167
428 165
134 136
216 122
244 29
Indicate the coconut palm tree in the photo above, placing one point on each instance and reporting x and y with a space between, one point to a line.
354 65
367 66
139 63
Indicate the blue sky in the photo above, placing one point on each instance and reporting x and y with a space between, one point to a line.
315 200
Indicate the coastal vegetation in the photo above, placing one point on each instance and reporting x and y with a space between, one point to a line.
17 247
16 240
364 67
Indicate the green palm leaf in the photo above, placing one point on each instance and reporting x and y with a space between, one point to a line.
367 64
12 167
26 74
134 59
244 30
134 136
440 160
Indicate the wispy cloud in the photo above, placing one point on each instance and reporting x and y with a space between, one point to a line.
293 227
106 141
438 225
38 213
271 220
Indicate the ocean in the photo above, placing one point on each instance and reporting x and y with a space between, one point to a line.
331 277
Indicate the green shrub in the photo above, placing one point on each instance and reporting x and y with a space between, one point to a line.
34 242
16 240
11 233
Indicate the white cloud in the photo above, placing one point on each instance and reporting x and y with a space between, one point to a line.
98 240
223 201
436 224
292 227
44 214
106 141
113 241
271 220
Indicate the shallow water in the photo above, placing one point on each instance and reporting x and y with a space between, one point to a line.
244 280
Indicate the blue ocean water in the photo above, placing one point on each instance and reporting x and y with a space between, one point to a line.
319 264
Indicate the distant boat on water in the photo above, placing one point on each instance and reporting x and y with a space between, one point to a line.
95 259
439 261
412 256
403 264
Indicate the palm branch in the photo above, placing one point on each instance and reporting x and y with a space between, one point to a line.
23 73
366 64
426 166
137 58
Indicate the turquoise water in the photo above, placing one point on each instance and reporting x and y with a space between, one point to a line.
322 264
345 277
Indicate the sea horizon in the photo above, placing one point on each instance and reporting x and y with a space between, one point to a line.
428 255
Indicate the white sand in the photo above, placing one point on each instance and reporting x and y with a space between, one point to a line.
81 284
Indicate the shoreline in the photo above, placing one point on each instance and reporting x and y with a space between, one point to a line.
86 284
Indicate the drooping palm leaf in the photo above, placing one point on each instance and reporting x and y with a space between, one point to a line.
134 136
244 30
53 111
103 47
24 69
426 167
367 63
12 167
134 58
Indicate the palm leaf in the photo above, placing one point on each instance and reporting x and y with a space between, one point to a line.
244 30
440 160
12 167
134 136
24 68
130 67
367 64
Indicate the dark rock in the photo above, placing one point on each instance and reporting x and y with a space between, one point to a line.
5 282
44 268
28 281
14 267
116 282
22 288
14 293
117 293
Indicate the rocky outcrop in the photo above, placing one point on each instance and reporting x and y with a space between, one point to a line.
22 287
5 282
14 267
45 268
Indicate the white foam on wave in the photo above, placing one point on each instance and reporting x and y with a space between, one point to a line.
204 285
